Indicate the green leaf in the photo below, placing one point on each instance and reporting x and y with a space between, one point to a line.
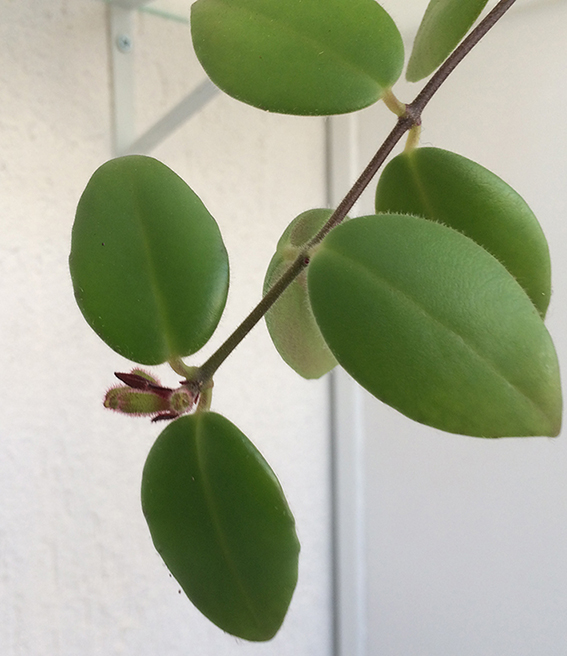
445 187
430 323
290 320
219 519
149 267
299 56
444 24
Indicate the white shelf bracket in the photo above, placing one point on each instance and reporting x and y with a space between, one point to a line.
122 52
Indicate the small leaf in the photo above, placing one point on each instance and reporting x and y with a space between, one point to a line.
444 24
290 321
149 268
451 189
299 56
430 323
219 519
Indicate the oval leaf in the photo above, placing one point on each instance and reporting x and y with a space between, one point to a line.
297 56
451 189
219 519
430 323
444 24
290 320
149 267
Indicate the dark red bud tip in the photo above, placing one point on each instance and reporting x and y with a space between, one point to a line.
138 379
133 380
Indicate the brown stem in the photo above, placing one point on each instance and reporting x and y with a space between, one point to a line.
411 118
207 370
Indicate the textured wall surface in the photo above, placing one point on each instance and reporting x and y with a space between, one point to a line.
78 571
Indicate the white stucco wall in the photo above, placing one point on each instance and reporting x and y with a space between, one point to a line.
78 572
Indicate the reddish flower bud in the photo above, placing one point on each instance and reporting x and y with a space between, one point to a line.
143 395
135 402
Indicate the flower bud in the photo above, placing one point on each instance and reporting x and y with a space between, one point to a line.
135 402
143 394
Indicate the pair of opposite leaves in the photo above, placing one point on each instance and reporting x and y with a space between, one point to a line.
319 57
435 305
150 275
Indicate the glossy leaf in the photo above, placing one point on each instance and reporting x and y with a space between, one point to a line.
219 519
290 321
429 322
298 56
149 268
458 192
444 24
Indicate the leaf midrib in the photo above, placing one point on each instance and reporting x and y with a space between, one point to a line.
217 525
161 307
313 42
415 302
